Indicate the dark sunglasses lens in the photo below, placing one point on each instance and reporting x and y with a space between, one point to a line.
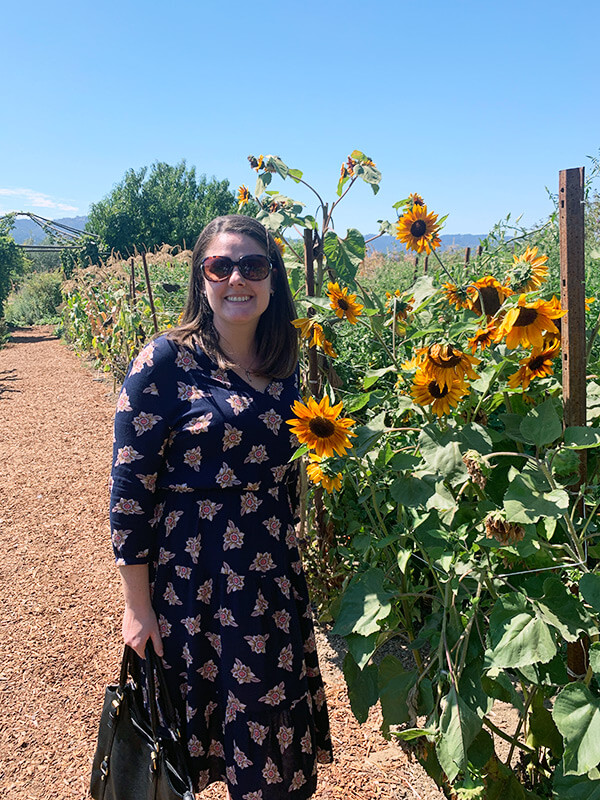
217 268
255 268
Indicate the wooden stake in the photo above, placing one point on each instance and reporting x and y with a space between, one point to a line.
149 288
467 255
132 281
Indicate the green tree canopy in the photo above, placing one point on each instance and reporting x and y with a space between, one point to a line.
12 259
163 205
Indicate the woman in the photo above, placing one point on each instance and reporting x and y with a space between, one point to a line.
203 527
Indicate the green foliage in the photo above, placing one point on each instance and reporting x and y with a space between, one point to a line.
12 260
164 205
36 301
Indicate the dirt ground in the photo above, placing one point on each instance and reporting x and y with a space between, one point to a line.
60 599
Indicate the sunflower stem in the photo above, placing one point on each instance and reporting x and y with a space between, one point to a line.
442 265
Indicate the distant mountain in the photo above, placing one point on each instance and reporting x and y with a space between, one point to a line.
456 241
26 229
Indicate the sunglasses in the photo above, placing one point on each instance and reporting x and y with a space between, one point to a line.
219 268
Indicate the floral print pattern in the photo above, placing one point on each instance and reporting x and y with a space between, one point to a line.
199 493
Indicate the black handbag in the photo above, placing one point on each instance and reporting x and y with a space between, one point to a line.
134 760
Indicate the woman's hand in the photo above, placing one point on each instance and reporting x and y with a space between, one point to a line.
139 619
139 625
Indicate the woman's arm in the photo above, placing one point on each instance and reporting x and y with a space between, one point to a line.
139 619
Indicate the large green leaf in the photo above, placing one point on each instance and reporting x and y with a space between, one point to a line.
576 713
518 636
368 435
411 492
574 787
523 504
561 609
499 686
476 437
589 586
444 458
394 685
542 425
458 728
362 687
364 604
543 728
582 438
344 255
361 647
595 658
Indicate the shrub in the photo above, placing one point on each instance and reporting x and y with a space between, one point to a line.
36 301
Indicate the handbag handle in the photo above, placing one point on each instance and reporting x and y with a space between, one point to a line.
154 667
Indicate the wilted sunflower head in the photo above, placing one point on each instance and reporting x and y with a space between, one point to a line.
320 473
486 295
527 272
505 533
527 321
457 295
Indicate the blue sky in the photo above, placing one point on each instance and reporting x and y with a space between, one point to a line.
475 105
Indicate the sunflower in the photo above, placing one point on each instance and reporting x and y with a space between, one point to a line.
457 295
487 295
307 327
317 425
418 230
310 329
343 303
528 271
399 303
483 337
526 322
415 199
588 302
442 397
537 365
446 364
243 195
317 475
280 244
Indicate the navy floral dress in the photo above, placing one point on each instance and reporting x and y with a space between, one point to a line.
199 492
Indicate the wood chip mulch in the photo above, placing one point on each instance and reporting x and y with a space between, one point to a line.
60 602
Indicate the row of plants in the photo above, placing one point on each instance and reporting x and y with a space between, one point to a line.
446 507
449 511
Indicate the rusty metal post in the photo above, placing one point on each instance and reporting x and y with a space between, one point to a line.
572 328
572 293
149 288
426 265
416 269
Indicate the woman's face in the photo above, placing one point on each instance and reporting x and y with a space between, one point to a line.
236 302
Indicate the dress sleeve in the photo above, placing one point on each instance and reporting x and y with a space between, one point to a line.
143 422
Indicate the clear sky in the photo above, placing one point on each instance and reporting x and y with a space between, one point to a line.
474 104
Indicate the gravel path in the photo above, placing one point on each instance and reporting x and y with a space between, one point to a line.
61 604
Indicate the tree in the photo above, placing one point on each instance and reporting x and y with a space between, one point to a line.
12 259
164 205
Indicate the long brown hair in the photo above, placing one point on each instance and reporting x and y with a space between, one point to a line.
276 338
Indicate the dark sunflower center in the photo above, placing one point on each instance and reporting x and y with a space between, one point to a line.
343 304
490 299
321 427
536 363
418 228
447 362
437 391
526 317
